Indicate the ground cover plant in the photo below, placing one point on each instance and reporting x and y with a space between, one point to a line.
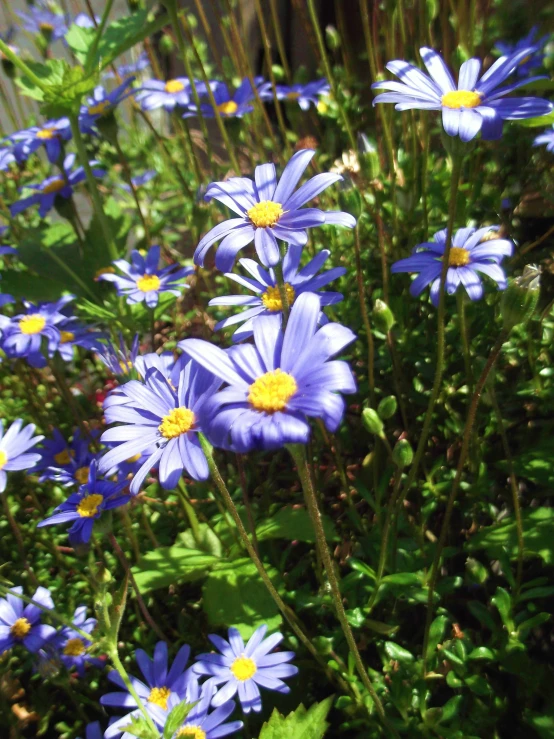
276 384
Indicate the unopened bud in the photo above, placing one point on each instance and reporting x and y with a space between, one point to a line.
520 297
382 316
368 156
402 454
372 422
166 45
333 38
387 407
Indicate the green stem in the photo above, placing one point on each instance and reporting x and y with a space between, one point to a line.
18 539
91 54
129 178
118 664
365 317
20 64
66 268
50 612
391 505
278 269
189 511
465 339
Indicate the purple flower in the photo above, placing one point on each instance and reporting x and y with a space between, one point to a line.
268 210
470 254
141 63
72 647
546 138
73 334
140 180
158 94
143 281
120 361
83 20
41 20
229 105
14 447
474 105
267 299
6 158
276 384
304 95
50 135
199 724
67 463
55 186
531 61
244 668
20 623
86 506
102 104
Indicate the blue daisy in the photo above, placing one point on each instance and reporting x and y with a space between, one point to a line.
102 103
67 463
73 334
143 281
305 95
267 299
42 20
50 135
20 622
473 251
174 93
531 61
14 449
7 158
475 105
72 647
140 180
268 210
141 63
274 385
546 138
120 361
244 668
229 104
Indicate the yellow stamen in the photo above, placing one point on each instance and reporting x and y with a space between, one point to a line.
228 108
81 475
264 214
243 668
47 27
173 86
46 133
66 336
146 283
461 99
293 95
195 732
178 422
54 186
100 108
88 507
20 628
126 367
272 298
74 648
3 459
32 324
458 257
271 392
160 696
63 457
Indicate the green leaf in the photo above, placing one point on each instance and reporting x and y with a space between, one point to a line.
166 566
300 724
481 653
293 524
123 34
503 602
80 41
176 717
138 727
538 535
396 652
234 595
436 633
120 226
403 578
207 540
51 73
542 120
543 592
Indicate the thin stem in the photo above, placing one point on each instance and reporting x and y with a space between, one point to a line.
48 611
18 539
365 317
189 512
99 30
20 64
246 501
129 178
391 506
118 664
276 25
278 269
465 339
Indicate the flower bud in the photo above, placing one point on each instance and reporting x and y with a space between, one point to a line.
520 297
382 316
333 38
372 422
368 156
166 45
387 407
402 454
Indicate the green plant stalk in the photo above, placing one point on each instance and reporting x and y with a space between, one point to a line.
470 421
187 144
298 454
279 39
92 185
129 178
20 64
91 54
365 316
278 269
189 511
391 506
211 41
18 539
118 664
67 269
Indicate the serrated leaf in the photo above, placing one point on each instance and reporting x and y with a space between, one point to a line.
80 41
167 566
293 524
138 727
123 34
51 73
176 717
300 724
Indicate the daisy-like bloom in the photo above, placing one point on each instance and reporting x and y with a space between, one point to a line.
120 361
546 138
14 449
102 103
83 20
87 505
23 334
50 135
7 157
51 25
174 93
140 180
141 63
20 622
160 684
531 61
67 463
165 417
73 334
276 384
229 105
4 297
304 95
472 251
143 281
476 104
244 668
72 647
268 210
267 298
55 186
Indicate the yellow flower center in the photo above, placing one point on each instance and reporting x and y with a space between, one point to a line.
458 257
74 648
490 236
66 336
20 628
243 668
3 459
293 95
54 186
160 696
47 27
81 475
32 324
322 107
104 271
272 298
100 108
46 133
146 283
228 108
195 732
271 392
173 86
264 214
63 457
134 458
461 99
178 422
88 507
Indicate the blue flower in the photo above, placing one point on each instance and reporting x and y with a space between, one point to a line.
41 20
93 731
72 647
164 416
4 297
200 724
159 685
475 105
276 384
470 254
50 135
158 94
87 505
6 158
142 62
55 186
304 95
72 334
140 180
143 281
14 448
546 138
268 210
229 105
20 623
102 103
67 463
244 668
532 60
83 20
120 361
268 299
